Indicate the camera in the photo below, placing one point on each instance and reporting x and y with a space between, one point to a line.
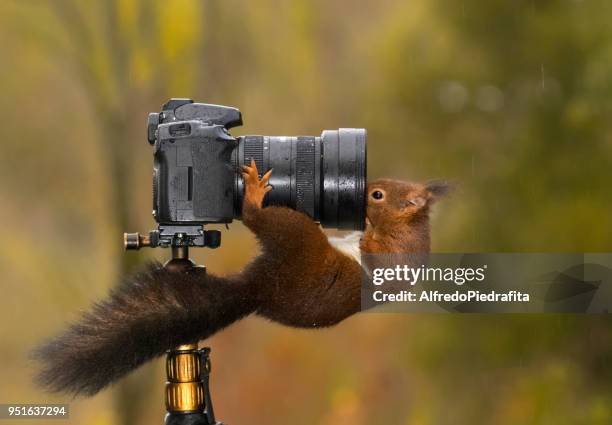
197 178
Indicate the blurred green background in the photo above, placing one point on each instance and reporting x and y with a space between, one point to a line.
511 99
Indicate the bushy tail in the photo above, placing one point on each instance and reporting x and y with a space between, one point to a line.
143 317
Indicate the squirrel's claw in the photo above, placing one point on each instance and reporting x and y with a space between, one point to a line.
266 177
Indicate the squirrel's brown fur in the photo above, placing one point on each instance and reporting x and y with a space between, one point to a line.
299 280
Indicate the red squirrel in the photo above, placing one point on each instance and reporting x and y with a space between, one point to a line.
300 279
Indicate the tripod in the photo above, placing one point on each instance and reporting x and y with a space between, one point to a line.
188 400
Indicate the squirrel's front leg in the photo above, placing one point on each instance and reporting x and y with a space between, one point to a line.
300 278
275 226
255 189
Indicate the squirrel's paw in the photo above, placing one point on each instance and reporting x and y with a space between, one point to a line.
255 189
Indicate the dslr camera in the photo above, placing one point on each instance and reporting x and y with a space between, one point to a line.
197 174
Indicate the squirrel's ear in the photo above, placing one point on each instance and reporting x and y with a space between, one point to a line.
439 188
418 202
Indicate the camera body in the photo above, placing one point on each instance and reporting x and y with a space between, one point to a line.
193 173
197 181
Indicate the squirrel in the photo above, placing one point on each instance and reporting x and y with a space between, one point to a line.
300 279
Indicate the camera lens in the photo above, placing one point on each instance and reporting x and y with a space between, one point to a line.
324 177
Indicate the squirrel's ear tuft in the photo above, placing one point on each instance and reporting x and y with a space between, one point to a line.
439 188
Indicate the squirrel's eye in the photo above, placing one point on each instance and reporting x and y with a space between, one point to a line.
377 194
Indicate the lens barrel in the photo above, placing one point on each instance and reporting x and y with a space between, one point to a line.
324 177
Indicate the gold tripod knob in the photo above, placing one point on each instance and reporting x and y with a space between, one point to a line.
184 389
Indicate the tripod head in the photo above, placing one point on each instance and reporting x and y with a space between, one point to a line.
173 236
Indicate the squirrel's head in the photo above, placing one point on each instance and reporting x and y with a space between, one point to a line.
393 202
